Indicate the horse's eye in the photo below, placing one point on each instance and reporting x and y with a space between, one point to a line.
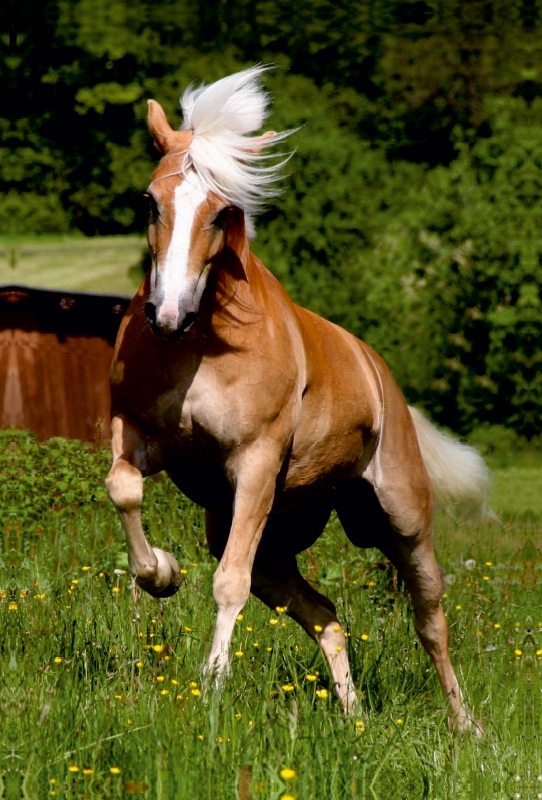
220 219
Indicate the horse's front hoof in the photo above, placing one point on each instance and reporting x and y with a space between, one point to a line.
167 578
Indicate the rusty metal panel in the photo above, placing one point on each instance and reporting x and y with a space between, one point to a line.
55 354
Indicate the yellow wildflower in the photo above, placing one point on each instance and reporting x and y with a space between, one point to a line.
360 727
280 609
139 664
164 691
116 590
518 652
114 770
193 685
273 621
364 637
87 770
85 569
196 692
73 768
158 648
160 678
287 774
239 653
322 693
287 687
318 628
239 617
311 678
399 721
57 660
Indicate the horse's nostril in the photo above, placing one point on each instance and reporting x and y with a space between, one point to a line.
188 321
150 311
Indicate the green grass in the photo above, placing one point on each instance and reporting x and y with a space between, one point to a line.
120 693
105 264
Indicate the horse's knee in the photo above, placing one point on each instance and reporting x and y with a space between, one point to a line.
124 484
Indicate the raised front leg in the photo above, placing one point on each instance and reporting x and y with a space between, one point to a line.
155 571
257 471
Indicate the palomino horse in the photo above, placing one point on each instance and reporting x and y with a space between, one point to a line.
260 411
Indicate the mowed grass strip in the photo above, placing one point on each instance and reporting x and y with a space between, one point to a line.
105 691
104 264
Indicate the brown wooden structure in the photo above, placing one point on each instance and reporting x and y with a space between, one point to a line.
55 353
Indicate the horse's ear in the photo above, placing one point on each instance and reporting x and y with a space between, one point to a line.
159 126
257 144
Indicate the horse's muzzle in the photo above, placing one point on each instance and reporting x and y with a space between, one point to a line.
166 332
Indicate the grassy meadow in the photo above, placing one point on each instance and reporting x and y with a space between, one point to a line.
102 697
102 264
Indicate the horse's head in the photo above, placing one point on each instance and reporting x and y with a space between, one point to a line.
209 176
186 231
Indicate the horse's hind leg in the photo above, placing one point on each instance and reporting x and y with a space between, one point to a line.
404 536
155 571
276 581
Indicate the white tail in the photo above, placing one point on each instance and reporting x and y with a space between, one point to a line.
457 471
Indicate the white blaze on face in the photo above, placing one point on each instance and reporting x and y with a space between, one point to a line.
173 279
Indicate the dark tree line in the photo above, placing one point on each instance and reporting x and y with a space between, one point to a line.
412 211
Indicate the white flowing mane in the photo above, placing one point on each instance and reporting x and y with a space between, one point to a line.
227 159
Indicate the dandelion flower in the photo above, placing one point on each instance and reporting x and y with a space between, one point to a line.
539 652
160 678
87 770
180 697
249 628
239 617
287 687
322 693
57 660
255 644
518 652
311 678
364 637
174 682
115 770
158 648
139 664
116 590
193 685
196 692
239 653
164 691
287 774
73 768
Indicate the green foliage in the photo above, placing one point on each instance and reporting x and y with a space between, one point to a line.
412 208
